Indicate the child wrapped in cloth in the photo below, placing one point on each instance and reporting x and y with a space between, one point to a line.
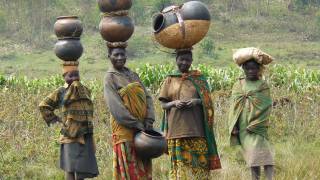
77 155
251 105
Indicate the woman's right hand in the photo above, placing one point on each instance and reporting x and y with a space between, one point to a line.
55 121
179 104
140 126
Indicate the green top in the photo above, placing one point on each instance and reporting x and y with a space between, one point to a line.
252 103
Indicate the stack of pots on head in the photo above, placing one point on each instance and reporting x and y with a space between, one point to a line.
115 26
68 29
181 27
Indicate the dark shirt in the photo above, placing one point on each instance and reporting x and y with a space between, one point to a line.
186 122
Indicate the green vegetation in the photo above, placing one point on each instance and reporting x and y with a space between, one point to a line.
29 149
286 77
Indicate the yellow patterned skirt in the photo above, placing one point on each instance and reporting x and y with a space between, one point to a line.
189 158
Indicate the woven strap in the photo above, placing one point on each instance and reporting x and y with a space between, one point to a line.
70 63
181 23
68 37
115 13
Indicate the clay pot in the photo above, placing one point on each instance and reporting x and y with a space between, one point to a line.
194 24
68 26
150 144
68 49
114 5
116 29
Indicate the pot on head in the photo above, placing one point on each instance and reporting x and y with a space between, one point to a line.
114 5
68 49
149 144
68 26
116 28
180 27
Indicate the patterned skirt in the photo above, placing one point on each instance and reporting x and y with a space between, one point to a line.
189 158
126 164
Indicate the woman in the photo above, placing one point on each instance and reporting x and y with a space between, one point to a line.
132 110
77 150
188 122
250 110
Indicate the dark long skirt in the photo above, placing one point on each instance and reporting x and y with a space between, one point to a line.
79 158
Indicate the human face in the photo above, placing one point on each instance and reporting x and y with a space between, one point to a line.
184 62
69 77
251 69
118 58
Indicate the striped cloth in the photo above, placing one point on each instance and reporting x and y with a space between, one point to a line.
126 164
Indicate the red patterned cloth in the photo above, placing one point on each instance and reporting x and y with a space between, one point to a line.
126 164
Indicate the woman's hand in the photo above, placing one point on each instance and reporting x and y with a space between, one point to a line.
148 124
192 102
140 126
179 104
55 121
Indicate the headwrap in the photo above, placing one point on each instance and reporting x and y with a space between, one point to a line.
117 44
240 56
115 13
69 66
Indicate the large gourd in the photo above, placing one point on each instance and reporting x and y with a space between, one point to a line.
179 27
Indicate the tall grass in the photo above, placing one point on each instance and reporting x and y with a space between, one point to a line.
29 149
290 78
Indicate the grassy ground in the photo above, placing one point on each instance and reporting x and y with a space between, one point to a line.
29 149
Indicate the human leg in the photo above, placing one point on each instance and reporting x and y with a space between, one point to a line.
69 176
255 172
269 171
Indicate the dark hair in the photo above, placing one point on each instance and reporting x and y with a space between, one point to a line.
64 74
109 51
183 52
113 48
251 60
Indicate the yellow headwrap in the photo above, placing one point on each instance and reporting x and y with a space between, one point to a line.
69 66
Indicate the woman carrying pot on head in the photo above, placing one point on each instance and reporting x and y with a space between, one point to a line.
250 110
131 109
188 121
77 149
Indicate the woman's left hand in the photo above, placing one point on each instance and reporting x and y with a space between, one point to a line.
148 124
192 102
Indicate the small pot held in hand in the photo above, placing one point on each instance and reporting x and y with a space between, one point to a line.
68 49
150 144
68 27
114 5
116 29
